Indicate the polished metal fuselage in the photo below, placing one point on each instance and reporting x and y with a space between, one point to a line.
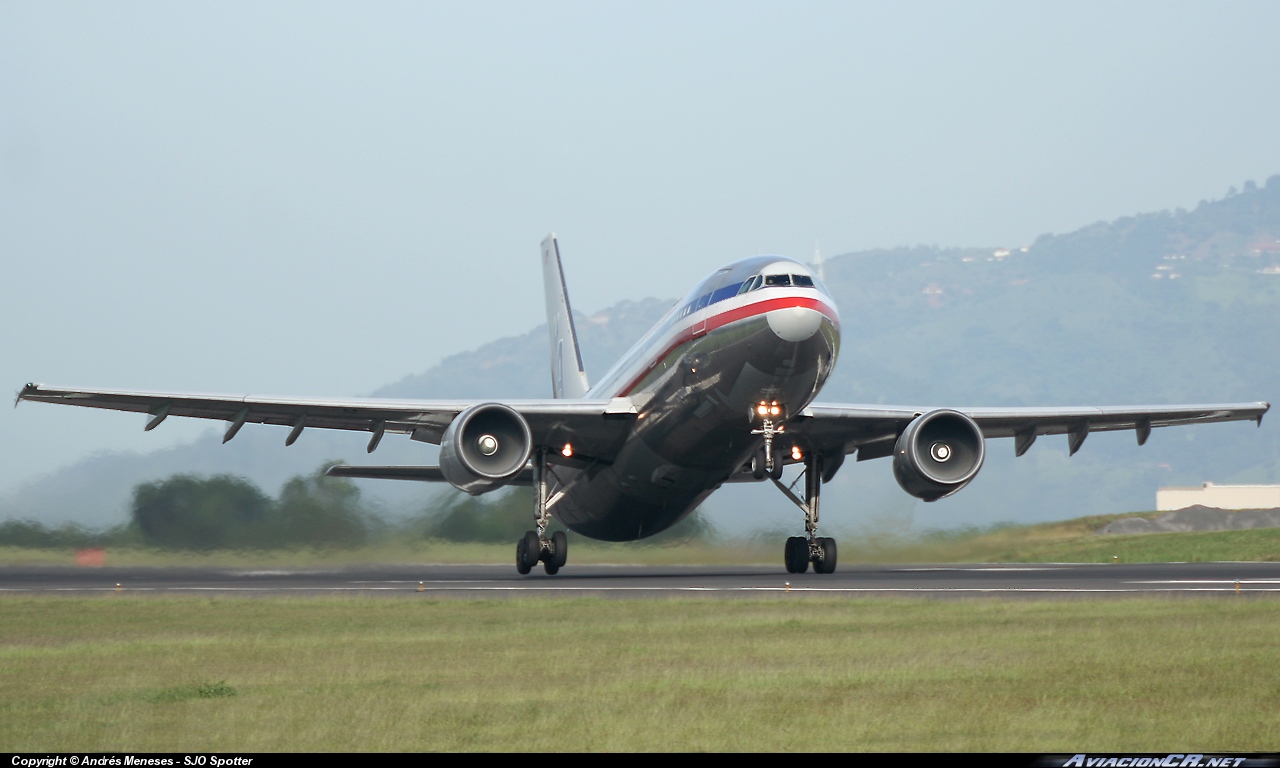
695 380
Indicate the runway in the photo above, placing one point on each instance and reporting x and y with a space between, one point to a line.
631 581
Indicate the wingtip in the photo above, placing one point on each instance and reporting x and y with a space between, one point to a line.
27 390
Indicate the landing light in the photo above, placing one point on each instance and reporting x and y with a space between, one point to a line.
795 453
763 410
568 450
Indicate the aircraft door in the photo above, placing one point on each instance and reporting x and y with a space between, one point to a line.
700 325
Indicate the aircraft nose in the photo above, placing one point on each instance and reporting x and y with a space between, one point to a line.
794 323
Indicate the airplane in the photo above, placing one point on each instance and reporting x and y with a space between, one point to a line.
722 389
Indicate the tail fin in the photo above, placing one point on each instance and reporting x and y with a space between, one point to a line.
568 377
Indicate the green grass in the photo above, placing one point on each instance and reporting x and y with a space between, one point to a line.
1064 541
130 673
582 551
1071 541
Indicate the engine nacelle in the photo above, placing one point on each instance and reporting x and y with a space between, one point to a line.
938 454
484 448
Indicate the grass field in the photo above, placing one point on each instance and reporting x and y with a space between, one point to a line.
128 673
1065 541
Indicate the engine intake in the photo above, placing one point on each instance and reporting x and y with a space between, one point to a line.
938 454
484 448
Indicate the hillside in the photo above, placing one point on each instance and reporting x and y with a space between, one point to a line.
1175 306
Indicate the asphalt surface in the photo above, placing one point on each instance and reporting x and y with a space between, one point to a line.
481 581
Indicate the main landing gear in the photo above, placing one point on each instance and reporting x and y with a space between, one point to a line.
810 548
536 546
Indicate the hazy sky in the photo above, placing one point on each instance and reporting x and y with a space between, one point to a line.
319 198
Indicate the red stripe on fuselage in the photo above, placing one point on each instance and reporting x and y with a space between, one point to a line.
769 305
732 316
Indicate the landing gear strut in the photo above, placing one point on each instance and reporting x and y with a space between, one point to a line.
536 546
810 548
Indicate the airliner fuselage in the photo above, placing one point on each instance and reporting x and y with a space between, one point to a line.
761 330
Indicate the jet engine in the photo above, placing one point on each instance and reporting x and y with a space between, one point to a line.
938 454
484 448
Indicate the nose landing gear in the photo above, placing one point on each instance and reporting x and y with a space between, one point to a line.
769 415
535 546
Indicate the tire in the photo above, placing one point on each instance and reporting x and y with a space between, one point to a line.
560 548
550 567
532 549
797 555
776 474
522 567
757 465
828 562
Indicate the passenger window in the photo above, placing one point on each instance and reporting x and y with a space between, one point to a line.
773 281
803 280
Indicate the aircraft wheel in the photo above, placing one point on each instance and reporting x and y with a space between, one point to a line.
776 474
757 465
828 562
522 564
550 567
559 549
532 550
797 555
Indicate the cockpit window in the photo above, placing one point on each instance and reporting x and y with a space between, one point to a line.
772 281
803 280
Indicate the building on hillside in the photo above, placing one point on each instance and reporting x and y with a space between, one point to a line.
1219 497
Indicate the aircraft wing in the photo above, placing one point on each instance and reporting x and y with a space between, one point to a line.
596 428
872 430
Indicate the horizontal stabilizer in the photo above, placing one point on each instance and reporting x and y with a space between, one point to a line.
425 474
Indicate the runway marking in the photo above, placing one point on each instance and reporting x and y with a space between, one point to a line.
968 570
427 581
1209 581
538 588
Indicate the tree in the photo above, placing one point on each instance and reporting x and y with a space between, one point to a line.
322 511
504 517
188 512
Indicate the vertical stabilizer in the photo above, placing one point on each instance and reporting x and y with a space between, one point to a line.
568 378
